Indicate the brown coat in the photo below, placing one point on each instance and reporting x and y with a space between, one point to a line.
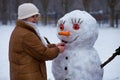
27 54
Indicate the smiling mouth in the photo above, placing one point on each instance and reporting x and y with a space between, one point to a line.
64 41
70 41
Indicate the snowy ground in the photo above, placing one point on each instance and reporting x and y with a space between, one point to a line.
106 44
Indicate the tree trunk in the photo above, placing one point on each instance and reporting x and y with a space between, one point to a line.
112 18
66 5
86 4
4 15
112 4
45 5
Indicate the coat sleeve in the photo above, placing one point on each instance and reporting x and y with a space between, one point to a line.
35 48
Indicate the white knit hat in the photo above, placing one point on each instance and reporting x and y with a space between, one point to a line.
26 10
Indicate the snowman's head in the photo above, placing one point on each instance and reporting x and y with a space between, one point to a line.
77 27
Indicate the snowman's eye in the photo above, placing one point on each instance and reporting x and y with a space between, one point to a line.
76 27
61 27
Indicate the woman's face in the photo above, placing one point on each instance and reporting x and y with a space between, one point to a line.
33 18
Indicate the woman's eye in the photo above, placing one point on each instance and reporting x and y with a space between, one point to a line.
76 27
61 27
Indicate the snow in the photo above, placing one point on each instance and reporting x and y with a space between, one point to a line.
108 40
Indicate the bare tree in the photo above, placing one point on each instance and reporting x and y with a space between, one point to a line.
45 5
112 4
4 13
66 5
0 10
86 4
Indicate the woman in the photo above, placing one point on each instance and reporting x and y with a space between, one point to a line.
27 50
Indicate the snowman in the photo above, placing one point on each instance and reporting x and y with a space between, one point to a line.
80 61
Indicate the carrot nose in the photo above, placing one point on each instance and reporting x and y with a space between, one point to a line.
64 33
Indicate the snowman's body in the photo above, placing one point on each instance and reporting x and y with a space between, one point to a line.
79 61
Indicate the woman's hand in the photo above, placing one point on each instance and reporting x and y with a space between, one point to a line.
61 47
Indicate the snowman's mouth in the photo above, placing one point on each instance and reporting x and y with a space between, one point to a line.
64 41
70 41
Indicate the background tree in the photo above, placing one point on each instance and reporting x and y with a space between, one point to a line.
4 12
66 5
112 4
86 4
45 5
0 10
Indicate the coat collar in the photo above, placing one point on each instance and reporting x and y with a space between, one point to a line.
20 23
